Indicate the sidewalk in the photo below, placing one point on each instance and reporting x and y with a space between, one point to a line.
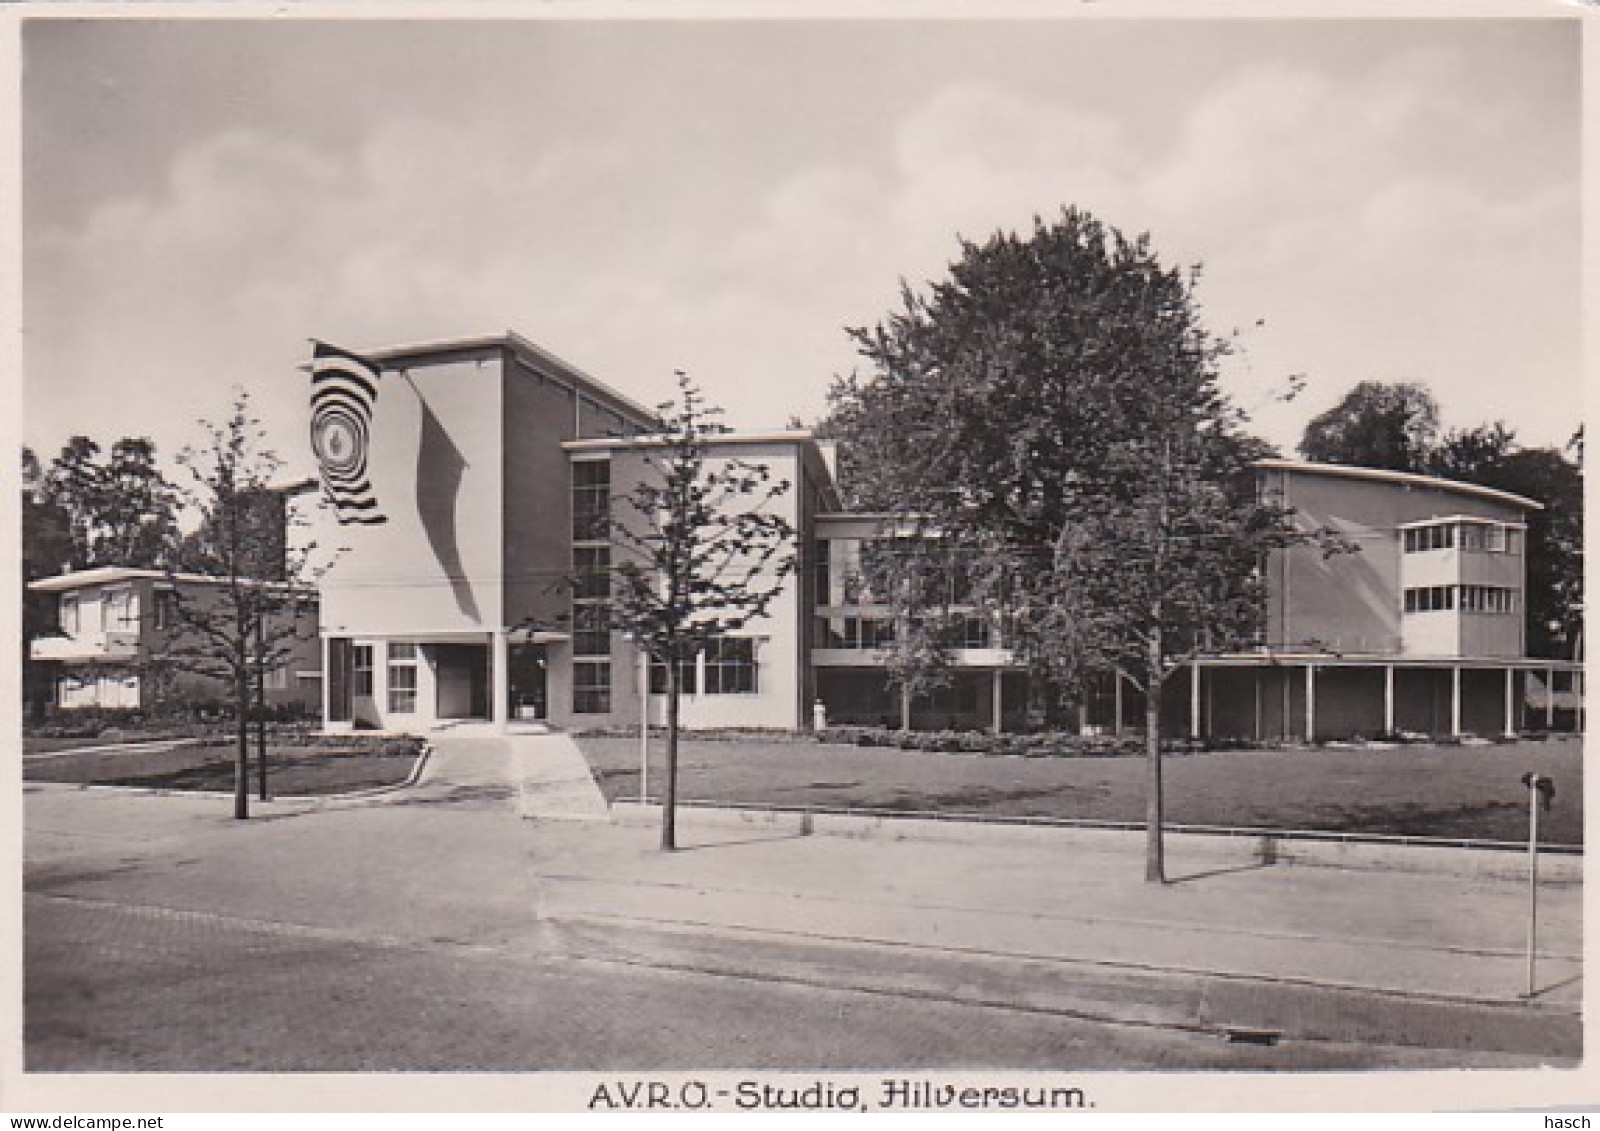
1386 956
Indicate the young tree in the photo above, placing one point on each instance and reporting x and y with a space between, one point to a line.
245 625
1054 405
702 555
1392 426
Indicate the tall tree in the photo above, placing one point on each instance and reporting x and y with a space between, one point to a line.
702 555
46 547
241 627
136 524
1053 405
1392 426
121 510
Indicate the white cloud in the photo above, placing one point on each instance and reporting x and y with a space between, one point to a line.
1314 204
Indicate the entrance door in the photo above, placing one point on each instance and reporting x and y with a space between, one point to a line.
528 682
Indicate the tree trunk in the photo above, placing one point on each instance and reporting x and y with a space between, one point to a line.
905 708
261 733
1154 858
669 792
241 774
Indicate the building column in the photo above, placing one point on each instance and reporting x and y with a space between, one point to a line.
327 681
1577 701
500 677
1388 699
1511 718
1311 703
1194 699
1455 701
1550 698
998 699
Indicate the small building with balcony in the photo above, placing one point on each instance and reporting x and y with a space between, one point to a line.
114 628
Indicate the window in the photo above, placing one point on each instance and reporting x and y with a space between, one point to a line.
121 610
70 619
591 687
591 566
591 500
402 678
361 670
166 612
731 667
1488 599
1430 598
688 677
971 632
824 574
1439 536
591 635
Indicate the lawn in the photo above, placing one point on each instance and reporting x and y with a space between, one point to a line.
1454 792
307 768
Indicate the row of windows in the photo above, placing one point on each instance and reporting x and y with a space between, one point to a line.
591 589
728 666
879 632
1469 598
1473 536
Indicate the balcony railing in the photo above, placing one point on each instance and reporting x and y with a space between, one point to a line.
112 645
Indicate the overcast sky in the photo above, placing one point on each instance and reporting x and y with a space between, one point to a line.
1398 200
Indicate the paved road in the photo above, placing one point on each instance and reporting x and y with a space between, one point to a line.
120 987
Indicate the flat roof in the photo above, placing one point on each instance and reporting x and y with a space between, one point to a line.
656 440
1401 478
539 357
111 575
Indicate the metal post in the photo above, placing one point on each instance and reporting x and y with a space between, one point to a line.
1388 699
1455 701
1511 688
1194 699
644 726
1533 872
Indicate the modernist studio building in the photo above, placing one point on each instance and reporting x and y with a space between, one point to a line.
483 594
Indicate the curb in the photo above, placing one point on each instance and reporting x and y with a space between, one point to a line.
1230 1006
310 801
1261 849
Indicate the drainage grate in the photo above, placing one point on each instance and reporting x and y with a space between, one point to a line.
1238 1035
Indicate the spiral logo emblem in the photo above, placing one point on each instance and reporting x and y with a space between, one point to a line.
344 388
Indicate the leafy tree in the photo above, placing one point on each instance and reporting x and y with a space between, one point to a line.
46 546
1469 453
1391 426
1053 406
239 629
136 524
121 511
702 556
